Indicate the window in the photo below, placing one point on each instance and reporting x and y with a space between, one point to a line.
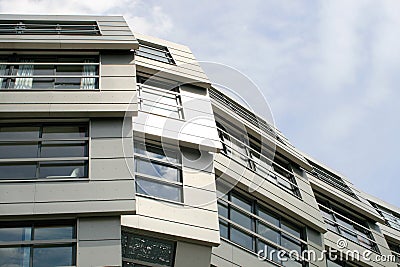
395 248
49 72
43 150
155 52
278 171
158 170
49 27
253 226
392 219
159 96
338 263
139 250
43 244
331 179
346 225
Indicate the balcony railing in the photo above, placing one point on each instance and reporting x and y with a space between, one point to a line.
261 165
255 120
49 28
160 101
332 180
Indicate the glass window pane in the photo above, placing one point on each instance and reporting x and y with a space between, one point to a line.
72 169
141 248
151 188
222 210
268 216
348 234
241 238
51 149
291 263
52 256
330 263
268 233
57 132
15 234
158 170
18 150
241 219
291 229
17 170
223 229
14 256
241 202
271 252
64 70
53 232
19 132
291 244
156 151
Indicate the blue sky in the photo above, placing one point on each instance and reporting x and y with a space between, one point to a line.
329 69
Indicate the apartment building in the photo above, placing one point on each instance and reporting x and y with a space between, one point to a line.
117 150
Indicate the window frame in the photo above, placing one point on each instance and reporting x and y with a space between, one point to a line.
152 52
42 243
13 62
248 161
38 160
170 91
359 226
154 179
256 236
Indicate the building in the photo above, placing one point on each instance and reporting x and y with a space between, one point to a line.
105 162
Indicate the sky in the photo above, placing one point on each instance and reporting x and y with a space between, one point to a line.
328 69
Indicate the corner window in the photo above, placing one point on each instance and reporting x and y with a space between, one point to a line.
158 170
346 225
277 171
392 219
43 150
155 52
139 250
23 72
38 244
253 226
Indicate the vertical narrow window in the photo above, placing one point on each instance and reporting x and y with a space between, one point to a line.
24 74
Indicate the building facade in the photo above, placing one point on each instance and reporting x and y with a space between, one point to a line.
117 150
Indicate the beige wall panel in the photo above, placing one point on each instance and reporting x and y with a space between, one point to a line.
105 169
200 256
111 148
164 211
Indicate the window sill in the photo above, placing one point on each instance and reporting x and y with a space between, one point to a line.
49 89
161 200
44 180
